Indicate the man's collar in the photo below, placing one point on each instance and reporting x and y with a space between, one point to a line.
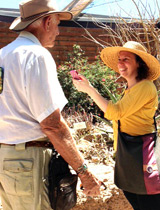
30 36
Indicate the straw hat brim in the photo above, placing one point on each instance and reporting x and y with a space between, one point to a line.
18 24
109 56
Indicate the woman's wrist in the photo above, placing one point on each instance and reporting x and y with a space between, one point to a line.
91 90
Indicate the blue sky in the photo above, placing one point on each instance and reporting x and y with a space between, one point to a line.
124 8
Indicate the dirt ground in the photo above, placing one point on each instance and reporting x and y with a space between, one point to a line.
116 202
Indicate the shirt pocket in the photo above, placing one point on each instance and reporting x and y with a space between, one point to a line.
18 176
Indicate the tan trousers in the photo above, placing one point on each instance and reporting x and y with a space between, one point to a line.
24 177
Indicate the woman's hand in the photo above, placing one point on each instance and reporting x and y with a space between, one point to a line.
82 85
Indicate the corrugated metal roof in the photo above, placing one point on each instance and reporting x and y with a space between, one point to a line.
9 12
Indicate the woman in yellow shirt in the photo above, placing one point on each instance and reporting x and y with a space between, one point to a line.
134 112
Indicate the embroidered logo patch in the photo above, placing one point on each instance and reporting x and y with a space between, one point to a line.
1 79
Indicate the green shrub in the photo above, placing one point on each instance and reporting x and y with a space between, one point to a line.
99 75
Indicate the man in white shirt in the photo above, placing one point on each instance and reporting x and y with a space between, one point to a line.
30 112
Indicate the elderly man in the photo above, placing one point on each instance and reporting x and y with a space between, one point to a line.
30 111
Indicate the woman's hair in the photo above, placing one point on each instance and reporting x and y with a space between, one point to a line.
143 70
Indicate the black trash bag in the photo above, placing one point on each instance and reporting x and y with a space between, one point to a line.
62 184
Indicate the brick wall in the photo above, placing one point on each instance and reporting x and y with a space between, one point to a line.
6 36
64 42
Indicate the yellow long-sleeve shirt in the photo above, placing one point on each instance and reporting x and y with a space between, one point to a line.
135 110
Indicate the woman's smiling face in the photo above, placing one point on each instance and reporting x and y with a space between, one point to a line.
127 65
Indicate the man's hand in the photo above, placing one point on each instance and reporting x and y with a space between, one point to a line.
90 183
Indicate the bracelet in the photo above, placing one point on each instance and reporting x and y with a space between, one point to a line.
82 168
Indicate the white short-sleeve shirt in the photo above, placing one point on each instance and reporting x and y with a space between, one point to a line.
31 90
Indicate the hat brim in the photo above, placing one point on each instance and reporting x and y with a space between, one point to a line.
19 25
109 56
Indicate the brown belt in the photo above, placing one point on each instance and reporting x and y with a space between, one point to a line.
34 144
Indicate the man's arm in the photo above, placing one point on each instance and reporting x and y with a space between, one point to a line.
58 132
